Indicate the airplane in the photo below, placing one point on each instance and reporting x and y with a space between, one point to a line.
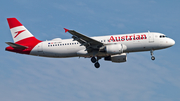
112 48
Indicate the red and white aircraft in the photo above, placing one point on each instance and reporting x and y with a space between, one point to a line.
112 47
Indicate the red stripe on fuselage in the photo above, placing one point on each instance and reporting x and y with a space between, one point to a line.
30 42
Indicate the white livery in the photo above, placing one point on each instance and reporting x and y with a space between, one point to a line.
112 47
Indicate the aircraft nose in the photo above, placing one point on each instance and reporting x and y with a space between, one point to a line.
171 42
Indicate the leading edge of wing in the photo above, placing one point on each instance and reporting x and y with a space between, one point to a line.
77 35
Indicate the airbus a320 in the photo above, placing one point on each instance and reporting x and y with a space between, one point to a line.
112 48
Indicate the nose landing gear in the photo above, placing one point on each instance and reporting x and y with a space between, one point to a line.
95 61
152 57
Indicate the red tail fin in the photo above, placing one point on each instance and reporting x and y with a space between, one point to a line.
21 36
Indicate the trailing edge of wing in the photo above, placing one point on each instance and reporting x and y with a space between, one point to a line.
16 46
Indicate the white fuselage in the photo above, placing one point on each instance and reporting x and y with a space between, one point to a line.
132 43
112 48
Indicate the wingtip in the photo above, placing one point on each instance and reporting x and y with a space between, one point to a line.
66 30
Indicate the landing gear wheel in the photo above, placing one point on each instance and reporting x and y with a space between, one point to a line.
93 60
153 58
97 65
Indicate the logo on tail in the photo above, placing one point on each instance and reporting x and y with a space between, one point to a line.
18 32
24 41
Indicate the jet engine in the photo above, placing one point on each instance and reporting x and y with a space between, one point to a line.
113 48
117 58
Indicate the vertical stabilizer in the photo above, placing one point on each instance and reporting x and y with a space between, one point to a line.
18 31
22 37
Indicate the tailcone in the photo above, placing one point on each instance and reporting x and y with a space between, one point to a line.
30 43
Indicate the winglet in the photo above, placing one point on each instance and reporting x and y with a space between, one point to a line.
66 30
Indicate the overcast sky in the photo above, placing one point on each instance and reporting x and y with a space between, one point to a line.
30 78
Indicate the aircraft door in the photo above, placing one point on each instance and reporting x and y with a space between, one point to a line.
151 37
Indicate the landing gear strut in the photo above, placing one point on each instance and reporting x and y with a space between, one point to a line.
95 61
152 57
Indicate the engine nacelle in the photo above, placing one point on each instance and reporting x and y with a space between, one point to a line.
117 58
114 48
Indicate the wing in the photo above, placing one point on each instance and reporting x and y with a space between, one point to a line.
86 41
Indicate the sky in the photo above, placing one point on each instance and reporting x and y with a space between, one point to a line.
31 78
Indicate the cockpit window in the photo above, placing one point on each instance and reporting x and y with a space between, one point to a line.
163 36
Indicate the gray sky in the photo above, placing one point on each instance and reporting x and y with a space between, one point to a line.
30 78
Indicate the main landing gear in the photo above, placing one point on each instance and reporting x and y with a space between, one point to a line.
95 61
152 57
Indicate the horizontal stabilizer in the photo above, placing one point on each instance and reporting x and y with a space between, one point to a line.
16 46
